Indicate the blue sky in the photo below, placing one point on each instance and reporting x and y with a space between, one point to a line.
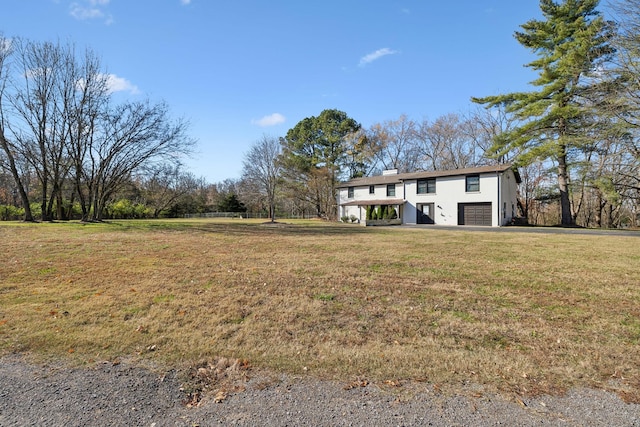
241 69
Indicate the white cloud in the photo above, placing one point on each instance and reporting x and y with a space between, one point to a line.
270 120
185 2
81 12
90 9
119 84
367 59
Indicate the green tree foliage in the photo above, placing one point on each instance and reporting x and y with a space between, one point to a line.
571 43
126 209
230 203
316 154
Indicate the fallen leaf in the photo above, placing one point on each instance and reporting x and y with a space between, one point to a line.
356 384
220 396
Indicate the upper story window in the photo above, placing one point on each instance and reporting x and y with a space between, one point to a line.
427 185
472 183
391 190
350 192
372 189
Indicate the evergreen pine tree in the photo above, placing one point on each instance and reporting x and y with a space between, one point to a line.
571 43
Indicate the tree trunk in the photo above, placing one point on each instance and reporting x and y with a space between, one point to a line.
83 202
600 207
563 186
28 216
610 217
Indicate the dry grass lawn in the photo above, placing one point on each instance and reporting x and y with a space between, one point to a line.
516 312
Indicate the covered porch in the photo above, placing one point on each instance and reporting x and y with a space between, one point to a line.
374 212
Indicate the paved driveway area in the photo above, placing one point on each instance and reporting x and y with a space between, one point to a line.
514 229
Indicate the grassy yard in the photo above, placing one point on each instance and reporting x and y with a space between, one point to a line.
515 312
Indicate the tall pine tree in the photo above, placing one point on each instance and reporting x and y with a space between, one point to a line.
315 154
571 44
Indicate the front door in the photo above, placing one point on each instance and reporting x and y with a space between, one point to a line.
425 213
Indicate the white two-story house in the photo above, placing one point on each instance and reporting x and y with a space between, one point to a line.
485 195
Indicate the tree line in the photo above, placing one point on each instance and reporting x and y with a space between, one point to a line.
68 150
65 143
574 137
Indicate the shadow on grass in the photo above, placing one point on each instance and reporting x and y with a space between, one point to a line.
240 228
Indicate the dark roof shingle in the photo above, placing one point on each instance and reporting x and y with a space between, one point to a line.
400 177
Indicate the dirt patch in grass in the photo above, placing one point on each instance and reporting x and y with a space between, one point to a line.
514 312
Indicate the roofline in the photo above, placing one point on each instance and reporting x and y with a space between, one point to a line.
373 202
401 177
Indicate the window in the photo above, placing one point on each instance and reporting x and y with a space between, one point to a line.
391 190
426 186
473 183
350 192
372 189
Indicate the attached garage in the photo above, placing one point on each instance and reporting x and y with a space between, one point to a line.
475 214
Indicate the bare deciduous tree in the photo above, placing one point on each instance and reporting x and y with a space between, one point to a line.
482 127
11 150
392 144
37 123
165 185
131 136
444 144
262 170
56 118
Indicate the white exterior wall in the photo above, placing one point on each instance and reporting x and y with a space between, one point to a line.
497 188
359 193
509 192
450 191
362 193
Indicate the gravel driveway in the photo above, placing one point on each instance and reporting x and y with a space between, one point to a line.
126 395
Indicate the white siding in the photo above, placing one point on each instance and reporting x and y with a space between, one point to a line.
497 188
450 191
362 193
509 196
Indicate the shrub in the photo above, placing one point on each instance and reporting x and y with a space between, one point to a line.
344 218
142 211
36 209
353 218
10 213
391 213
